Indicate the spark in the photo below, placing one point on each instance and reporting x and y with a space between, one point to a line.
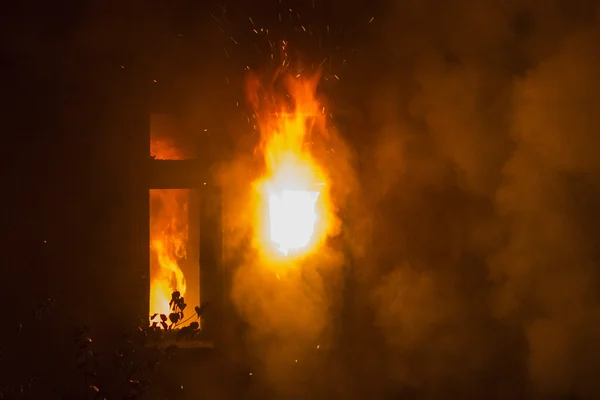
372 19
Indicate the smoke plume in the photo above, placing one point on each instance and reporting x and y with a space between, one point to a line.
482 186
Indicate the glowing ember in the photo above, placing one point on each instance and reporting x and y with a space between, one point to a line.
293 195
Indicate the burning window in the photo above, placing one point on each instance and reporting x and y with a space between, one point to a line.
295 213
174 226
292 218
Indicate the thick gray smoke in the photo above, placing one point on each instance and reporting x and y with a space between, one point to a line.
484 183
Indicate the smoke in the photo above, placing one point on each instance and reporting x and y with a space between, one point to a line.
481 187
288 310
548 269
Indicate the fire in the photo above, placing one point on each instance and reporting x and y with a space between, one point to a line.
293 192
292 218
169 226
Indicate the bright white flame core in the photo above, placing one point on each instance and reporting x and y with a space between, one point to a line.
292 218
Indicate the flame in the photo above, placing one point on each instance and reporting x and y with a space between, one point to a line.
169 228
293 194
292 218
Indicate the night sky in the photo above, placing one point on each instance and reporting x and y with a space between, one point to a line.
471 130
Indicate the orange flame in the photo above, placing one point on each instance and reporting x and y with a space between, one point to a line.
293 216
169 228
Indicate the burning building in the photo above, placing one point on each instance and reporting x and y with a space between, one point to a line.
284 199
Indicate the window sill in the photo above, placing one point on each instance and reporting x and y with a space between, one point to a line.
169 338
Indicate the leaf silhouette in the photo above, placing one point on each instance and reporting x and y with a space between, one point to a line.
201 308
183 333
174 317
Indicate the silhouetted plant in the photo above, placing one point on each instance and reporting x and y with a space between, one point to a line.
176 318
23 389
138 354
141 352
87 362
